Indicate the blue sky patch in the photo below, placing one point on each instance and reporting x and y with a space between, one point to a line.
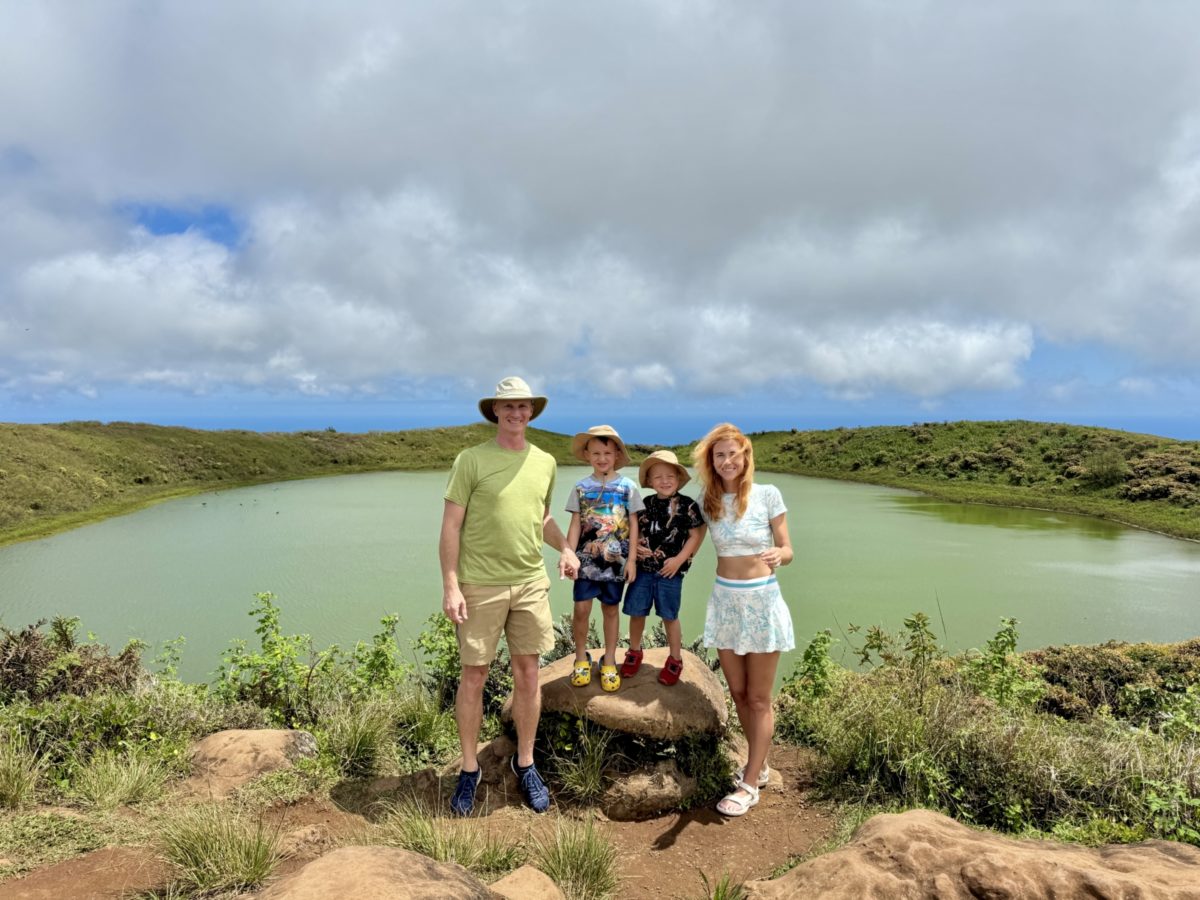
217 223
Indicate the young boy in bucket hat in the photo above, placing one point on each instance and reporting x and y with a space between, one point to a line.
670 530
603 531
495 518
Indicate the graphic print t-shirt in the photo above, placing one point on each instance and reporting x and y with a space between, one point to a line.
604 509
663 528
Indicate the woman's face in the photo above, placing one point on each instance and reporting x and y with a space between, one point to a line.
729 461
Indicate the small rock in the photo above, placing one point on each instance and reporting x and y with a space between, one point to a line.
527 883
648 792
224 761
377 873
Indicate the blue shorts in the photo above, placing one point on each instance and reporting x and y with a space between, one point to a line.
653 588
609 592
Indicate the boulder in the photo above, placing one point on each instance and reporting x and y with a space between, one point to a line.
648 792
923 855
642 705
527 883
377 873
224 761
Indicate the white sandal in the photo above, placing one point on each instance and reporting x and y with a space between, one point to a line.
733 805
764 775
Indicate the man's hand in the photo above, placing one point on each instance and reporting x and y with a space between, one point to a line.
672 566
454 605
568 564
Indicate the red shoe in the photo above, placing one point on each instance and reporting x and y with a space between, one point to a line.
671 671
633 662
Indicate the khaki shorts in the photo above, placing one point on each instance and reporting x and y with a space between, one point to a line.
520 611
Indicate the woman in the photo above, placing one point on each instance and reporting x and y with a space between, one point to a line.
747 620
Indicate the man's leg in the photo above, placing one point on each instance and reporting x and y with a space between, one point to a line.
468 713
527 705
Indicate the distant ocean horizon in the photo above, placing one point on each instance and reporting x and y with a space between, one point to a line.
638 428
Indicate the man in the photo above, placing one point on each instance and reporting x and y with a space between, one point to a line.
496 516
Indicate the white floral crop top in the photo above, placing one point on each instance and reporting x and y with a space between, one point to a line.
751 534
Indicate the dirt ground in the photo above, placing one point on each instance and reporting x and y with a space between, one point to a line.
658 859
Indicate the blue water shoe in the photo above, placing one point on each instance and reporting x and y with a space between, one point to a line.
462 801
536 794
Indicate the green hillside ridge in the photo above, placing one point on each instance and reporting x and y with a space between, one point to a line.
54 477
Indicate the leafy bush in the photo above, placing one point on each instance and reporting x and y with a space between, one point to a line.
956 735
37 666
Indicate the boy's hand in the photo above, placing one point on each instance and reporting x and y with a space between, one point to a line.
644 551
630 572
671 567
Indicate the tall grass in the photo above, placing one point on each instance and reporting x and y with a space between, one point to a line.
412 826
20 770
579 859
216 849
110 779
582 772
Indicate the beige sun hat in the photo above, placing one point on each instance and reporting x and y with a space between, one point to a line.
511 388
662 456
580 442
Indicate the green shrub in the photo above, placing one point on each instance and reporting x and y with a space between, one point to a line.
37 666
356 738
216 849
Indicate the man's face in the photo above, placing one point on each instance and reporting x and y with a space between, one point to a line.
513 415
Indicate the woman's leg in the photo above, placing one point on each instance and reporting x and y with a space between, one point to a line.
751 680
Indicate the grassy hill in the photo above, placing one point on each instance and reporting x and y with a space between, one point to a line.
54 477
1152 482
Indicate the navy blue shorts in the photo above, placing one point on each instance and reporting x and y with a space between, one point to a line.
653 589
609 592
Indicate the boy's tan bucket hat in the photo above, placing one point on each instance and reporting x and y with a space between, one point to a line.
580 442
662 456
511 388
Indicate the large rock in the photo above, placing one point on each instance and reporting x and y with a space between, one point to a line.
224 761
647 792
377 873
642 705
527 883
922 855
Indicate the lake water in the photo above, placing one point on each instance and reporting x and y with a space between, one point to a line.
342 552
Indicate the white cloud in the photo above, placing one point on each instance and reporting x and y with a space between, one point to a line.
699 197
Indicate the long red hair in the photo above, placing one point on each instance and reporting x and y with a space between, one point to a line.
714 487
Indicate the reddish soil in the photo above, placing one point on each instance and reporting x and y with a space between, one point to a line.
658 858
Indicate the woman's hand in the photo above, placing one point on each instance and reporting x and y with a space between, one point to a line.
772 557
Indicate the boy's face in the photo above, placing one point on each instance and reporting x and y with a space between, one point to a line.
663 479
602 455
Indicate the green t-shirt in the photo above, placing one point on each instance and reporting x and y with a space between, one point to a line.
505 494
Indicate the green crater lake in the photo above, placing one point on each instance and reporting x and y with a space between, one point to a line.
342 552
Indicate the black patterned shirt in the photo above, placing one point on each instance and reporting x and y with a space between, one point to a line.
664 527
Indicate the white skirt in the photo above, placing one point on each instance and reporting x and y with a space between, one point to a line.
748 617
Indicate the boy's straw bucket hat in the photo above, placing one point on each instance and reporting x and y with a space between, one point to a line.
511 388
580 442
662 456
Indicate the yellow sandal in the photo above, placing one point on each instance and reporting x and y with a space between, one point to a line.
582 675
610 679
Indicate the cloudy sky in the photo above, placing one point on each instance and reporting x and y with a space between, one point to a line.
360 215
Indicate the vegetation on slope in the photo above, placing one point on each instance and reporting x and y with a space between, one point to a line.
1151 482
58 476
